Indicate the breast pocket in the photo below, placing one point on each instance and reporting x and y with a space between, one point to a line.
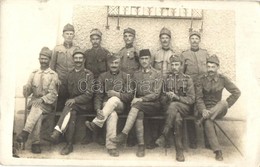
158 64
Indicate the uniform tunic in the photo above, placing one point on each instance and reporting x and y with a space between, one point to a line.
162 61
129 59
62 60
117 82
195 62
96 60
209 91
148 87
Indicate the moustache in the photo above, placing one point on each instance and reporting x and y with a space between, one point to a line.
78 62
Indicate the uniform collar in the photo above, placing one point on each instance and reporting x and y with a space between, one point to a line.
67 44
215 78
146 70
116 73
166 49
79 69
195 49
45 71
128 46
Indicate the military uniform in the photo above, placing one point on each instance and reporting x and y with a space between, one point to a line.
42 84
194 65
62 63
162 60
148 86
96 60
129 59
162 56
79 86
111 106
209 95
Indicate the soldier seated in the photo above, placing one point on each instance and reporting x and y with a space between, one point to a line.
79 85
145 102
42 84
110 99
209 104
178 97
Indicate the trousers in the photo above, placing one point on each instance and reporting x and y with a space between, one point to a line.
217 112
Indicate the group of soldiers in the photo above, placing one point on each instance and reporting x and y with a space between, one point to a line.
131 82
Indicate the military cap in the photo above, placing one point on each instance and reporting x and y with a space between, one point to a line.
165 31
112 57
46 52
195 33
129 30
96 31
68 27
144 52
213 59
175 58
78 50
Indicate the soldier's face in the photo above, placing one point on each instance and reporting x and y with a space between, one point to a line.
145 61
78 59
68 36
212 69
194 41
175 67
95 40
129 38
165 40
114 65
44 61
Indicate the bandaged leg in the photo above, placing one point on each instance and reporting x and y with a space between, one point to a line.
139 128
111 127
63 120
131 118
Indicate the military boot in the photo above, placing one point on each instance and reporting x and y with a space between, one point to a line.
91 126
218 156
22 137
179 155
120 139
36 149
67 149
140 151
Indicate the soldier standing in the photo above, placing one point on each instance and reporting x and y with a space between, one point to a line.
194 65
145 102
209 104
96 62
79 86
178 97
129 64
129 53
110 100
62 62
42 84
162 56
96 57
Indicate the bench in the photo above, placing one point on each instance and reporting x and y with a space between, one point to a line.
185 119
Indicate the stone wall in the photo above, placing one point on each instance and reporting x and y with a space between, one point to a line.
218 32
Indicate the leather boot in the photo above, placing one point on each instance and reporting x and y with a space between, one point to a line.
113 152
36 149
67 149
54 136
120 139
179 156
91 126
140 151
160 141
218 156
22 137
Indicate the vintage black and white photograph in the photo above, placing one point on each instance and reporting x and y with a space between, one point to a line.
129 83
